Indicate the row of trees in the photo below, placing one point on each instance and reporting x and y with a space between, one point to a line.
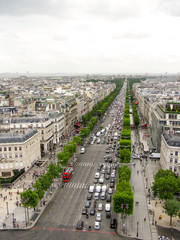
125 141
30 198
165 186
123 198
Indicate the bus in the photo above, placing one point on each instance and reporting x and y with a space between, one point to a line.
67 174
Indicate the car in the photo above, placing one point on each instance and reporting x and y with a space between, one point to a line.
113 223
101 180
82 150
115 160
95 181
92 142
98 217
84 211
97 175
110 160
92 211
100 207
112 150
103 170
107 150
112 175
87 204
108 214
103 196
96 196
107 177
111 185
108 198
97 225
135 156
79 225
98 169
89 196
112 180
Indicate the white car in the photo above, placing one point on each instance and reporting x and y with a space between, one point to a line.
98 217
82 150
112 175
101 180
97 225
110 191
100 207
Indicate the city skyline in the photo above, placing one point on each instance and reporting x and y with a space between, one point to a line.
79 37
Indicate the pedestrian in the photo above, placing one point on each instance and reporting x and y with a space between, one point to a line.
155 223
144 219
155 204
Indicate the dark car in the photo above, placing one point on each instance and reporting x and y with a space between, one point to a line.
89 196
107 177
84 211
113 223
110 160
108 198
108 214
87 204
80 225
92 211
111 185
112 180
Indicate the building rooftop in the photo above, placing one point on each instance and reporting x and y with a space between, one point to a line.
172 140
17 137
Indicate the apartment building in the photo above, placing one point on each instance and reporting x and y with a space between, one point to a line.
18 150
170 151
49 125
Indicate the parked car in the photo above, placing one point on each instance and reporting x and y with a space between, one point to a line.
89 196
82 150
108 198
108 214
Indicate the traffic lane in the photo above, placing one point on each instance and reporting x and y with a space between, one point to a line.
54 234
64 210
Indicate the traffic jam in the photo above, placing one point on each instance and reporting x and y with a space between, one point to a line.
98 205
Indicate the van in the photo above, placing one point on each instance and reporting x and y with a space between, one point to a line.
107 207
97 175
91 189
98 189
104 188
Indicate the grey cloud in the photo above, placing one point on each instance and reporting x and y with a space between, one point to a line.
131 35
171 7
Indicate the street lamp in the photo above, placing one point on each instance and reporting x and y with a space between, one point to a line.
137 229
7 208
13 219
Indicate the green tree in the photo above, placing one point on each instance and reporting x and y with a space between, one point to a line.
125 155
77 140
38 189
165 187
172 208
53 169
29 199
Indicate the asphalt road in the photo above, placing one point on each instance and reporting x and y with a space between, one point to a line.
60 217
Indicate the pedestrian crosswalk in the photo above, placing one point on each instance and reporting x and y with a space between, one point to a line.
75 185
91 164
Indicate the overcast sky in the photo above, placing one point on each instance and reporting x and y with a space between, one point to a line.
90 36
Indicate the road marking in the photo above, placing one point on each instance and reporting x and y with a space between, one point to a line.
75 230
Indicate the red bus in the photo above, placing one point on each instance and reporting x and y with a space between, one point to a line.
67 174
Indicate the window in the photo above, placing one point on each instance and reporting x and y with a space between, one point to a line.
176 153
171 153
15 148
42 131
170 168
10 156
175 161
5 148
20 148
20 155
16 155
0 149
175 169
171 160
9 148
